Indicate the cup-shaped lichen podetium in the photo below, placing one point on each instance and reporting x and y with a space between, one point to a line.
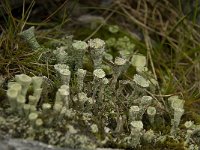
178 110
37 82
37 94
102 88
32 118
26 109
29 36
20 104
144 102
12 97
151 112
61 54
38 124
47 113
176 102
62 95
64 73
80 48
138 60
120 65
133 113
25 82
149 136
141 81
80 78
16 86
65 76
99 74
136 132
32 100
82 98
97 50
57 107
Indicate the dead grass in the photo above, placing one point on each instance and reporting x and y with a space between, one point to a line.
15 56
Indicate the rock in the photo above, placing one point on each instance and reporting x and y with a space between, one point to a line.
20 144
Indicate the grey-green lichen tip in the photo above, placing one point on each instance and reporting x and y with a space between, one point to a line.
80 45
29 36
96 43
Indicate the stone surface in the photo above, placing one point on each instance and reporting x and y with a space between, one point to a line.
20 144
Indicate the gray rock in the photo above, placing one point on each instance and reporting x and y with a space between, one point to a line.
20 144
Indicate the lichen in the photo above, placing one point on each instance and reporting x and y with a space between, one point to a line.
89 109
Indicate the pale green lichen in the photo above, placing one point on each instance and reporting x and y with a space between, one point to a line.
120 66
29 36
63 73
80 45
138 61
141 81
94 128
99 73
80 48
133 113
92 108
113 28
80 79
97 50
124 43
149 136
151 111
136 133
61 54
189 124
24 81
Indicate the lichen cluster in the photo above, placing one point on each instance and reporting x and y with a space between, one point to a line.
95 108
